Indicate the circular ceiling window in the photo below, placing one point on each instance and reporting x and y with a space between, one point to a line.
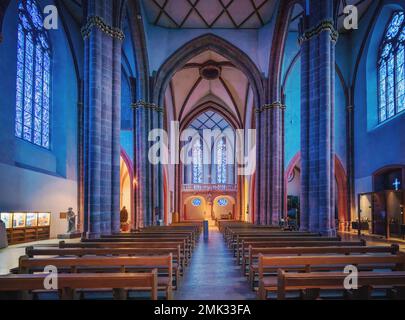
223 202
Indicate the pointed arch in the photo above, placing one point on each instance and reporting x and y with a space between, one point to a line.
140 49
198 45
285 11
341 182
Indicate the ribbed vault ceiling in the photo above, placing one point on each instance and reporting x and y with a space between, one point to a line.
189 88
226 14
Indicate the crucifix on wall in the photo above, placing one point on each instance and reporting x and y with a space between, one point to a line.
396 184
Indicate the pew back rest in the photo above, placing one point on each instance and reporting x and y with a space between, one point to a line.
151 244
31 282
321 260
32 252
25 263
286 244
335 280
254 251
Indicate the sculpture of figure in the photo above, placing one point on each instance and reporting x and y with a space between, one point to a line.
71 217
124 215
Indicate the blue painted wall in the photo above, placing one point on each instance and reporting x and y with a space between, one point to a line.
34 178
376 146
292 101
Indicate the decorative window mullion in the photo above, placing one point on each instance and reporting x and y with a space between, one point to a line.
24 82
395 53
34 86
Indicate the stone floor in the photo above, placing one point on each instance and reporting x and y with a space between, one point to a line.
9 256
213 274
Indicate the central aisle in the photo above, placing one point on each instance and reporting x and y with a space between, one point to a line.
213 274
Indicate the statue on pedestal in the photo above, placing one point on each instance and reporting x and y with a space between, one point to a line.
3 235
124 219
72 232
71 218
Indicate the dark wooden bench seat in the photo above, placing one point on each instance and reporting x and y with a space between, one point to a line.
25 285
163 264
239 250
186 246
190 242
244 250
236 238
133 244
324 263
311 284
32 252
237 244
250 264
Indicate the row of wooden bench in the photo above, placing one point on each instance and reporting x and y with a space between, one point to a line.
151 260
279 262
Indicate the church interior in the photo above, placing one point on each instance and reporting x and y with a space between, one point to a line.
202 149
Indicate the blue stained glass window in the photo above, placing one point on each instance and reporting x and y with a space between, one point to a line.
197 155
223 202
391 69
32 121
221 162
197 202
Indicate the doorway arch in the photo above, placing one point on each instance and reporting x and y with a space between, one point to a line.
127 187
341 183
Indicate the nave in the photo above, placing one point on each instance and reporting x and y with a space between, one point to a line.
239 261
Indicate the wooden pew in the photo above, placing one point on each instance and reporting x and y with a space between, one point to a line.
152 235
314 282
32 252
292 244
237 240
251 261
195 229
119 283
322 263
229 229
106 265
237 250
234 237
145 244
186 232
187 250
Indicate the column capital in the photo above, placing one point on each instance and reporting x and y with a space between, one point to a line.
146 105
325 25
98 22
270 106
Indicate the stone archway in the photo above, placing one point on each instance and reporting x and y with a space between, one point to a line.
198 45
127 187
341 183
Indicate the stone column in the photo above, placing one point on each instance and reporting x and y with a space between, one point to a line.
269 164
157 170
149 195
318 38
102 117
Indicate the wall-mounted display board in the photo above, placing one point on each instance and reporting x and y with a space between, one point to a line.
25 227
